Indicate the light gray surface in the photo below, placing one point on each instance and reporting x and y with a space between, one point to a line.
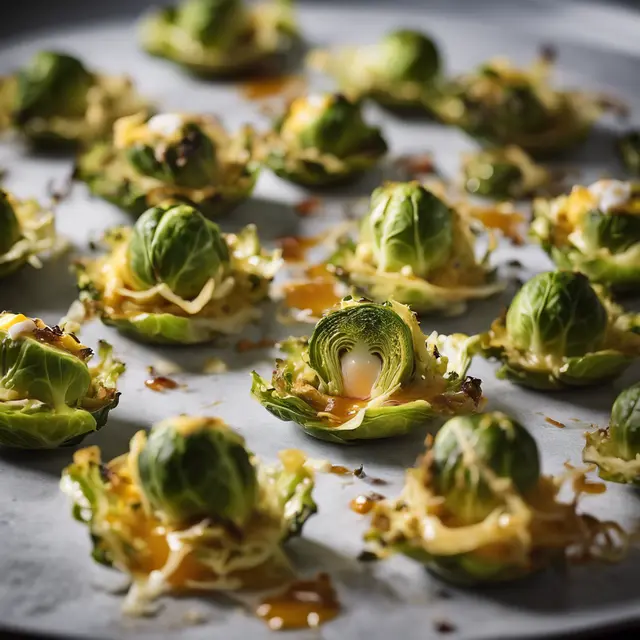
47 580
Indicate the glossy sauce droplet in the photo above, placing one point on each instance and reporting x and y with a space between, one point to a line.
160 384
364 503
360 370
304 604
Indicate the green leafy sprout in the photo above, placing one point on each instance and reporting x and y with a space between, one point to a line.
368 371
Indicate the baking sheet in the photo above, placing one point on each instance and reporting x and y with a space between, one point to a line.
47 579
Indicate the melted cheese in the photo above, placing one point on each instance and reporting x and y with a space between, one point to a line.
8 320
360 370
22 328
610 194
166 124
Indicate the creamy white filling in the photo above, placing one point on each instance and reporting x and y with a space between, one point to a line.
166 124
360 371
610 194
26 327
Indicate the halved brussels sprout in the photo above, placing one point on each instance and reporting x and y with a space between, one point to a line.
367 372
174 278
476 509
594 230
27 232
629 148
503 173
49 395
222 37
502 105
189 508
171 156
399 71
322 140
56 100
414 248
559 332
616 450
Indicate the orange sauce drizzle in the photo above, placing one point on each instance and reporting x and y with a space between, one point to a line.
305 604
264 88
555 423
294 248
314 296
339 470
510 223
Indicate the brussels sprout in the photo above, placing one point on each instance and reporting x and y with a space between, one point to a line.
171 156
156 251
27 232
10 231
629 148
322 140
189 508
559 332
414 248
616 450
367 372
56 100
174 278
594 230
195 468
502 448
50 396
222 37
499 105
476 509
505 173
400 71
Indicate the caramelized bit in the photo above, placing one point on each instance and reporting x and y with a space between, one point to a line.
416 165
444 626
362 504
245 345
308 207
362 475
555 423
582 485
305 604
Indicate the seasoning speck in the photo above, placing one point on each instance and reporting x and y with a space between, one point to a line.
555 423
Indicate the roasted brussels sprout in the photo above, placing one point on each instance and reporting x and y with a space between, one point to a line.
55 101
501 105
594 230
50 396
629 148
174 278
27 232
399 71
505 173
616 450
222 37
171 156
416 249
367 372
189 508
322 140
559 332
476 509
